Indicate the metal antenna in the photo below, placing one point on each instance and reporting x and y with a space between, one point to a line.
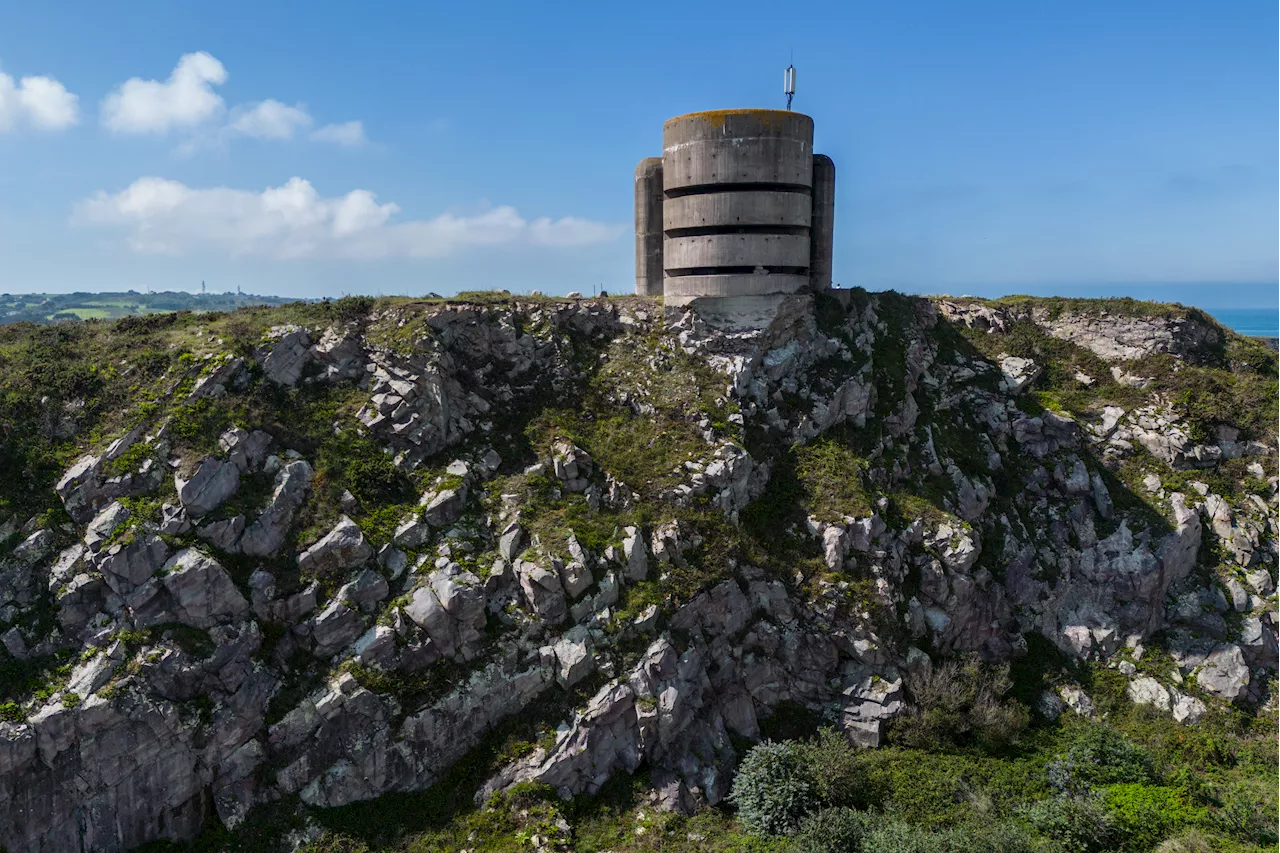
789 84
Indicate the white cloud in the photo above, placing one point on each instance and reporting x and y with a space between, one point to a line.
162 216
185 100
348 133
269 119
40 102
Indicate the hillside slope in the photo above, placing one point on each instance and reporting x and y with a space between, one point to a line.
285 561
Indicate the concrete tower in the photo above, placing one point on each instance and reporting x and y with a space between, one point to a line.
747 210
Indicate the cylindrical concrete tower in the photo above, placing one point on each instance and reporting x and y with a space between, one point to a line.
738 212
649 227
823 223
738 190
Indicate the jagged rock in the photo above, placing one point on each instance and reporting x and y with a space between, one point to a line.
246 450
1187 709
267 533
112 517
174 520
1077 700
633 551
412 532
287 357
1224 673
1018 373
1145 690
125 565
224 534
542 591
365 591
574 576
574 660
445 506
450 607
193 589
511 543
344 547
335 627
34 547
211 485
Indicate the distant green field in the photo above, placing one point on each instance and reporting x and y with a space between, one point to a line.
42 308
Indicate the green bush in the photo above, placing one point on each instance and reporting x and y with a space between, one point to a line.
959 702
773 789
1099 755
1145 815
894 836
836 769
1079 824
1248 812
833 830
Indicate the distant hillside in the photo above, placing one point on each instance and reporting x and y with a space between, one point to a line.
59 307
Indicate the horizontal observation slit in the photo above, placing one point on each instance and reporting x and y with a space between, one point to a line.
705 189
707 230
771 270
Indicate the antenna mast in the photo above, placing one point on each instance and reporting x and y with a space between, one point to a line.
789 84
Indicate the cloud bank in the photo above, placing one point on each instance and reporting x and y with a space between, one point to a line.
186 101
38 102
293 221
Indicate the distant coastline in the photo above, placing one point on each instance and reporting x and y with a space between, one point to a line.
43 308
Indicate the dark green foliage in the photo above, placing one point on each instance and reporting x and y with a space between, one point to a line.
774 788
1248 811
1079 824
1099 755
959 702
1145 815
833 830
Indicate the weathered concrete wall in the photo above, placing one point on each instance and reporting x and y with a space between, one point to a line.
649 227
822 225
737 203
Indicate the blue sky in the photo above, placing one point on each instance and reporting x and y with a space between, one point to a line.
1083 148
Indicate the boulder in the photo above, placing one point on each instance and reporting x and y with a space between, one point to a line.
1224 673
211 485
193 589
266 534
344 547
284 362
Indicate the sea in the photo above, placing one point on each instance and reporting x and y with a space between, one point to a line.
1263 322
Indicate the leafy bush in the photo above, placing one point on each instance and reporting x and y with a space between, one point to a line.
1147 814
1079 823
894 836
961 701
835 767
1248 812
1100 755
774 788
833 830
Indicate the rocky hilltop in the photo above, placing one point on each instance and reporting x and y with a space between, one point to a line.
286 560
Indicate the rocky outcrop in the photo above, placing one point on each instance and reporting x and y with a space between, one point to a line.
547 559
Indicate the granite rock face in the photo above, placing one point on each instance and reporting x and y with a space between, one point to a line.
394 611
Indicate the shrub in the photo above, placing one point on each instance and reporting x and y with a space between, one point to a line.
1100 755
1147 814
961 701
894 836
1079 823
835 767
1191 841
1248 812
833 830
773 789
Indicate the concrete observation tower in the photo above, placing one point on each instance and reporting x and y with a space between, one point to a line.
738 207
